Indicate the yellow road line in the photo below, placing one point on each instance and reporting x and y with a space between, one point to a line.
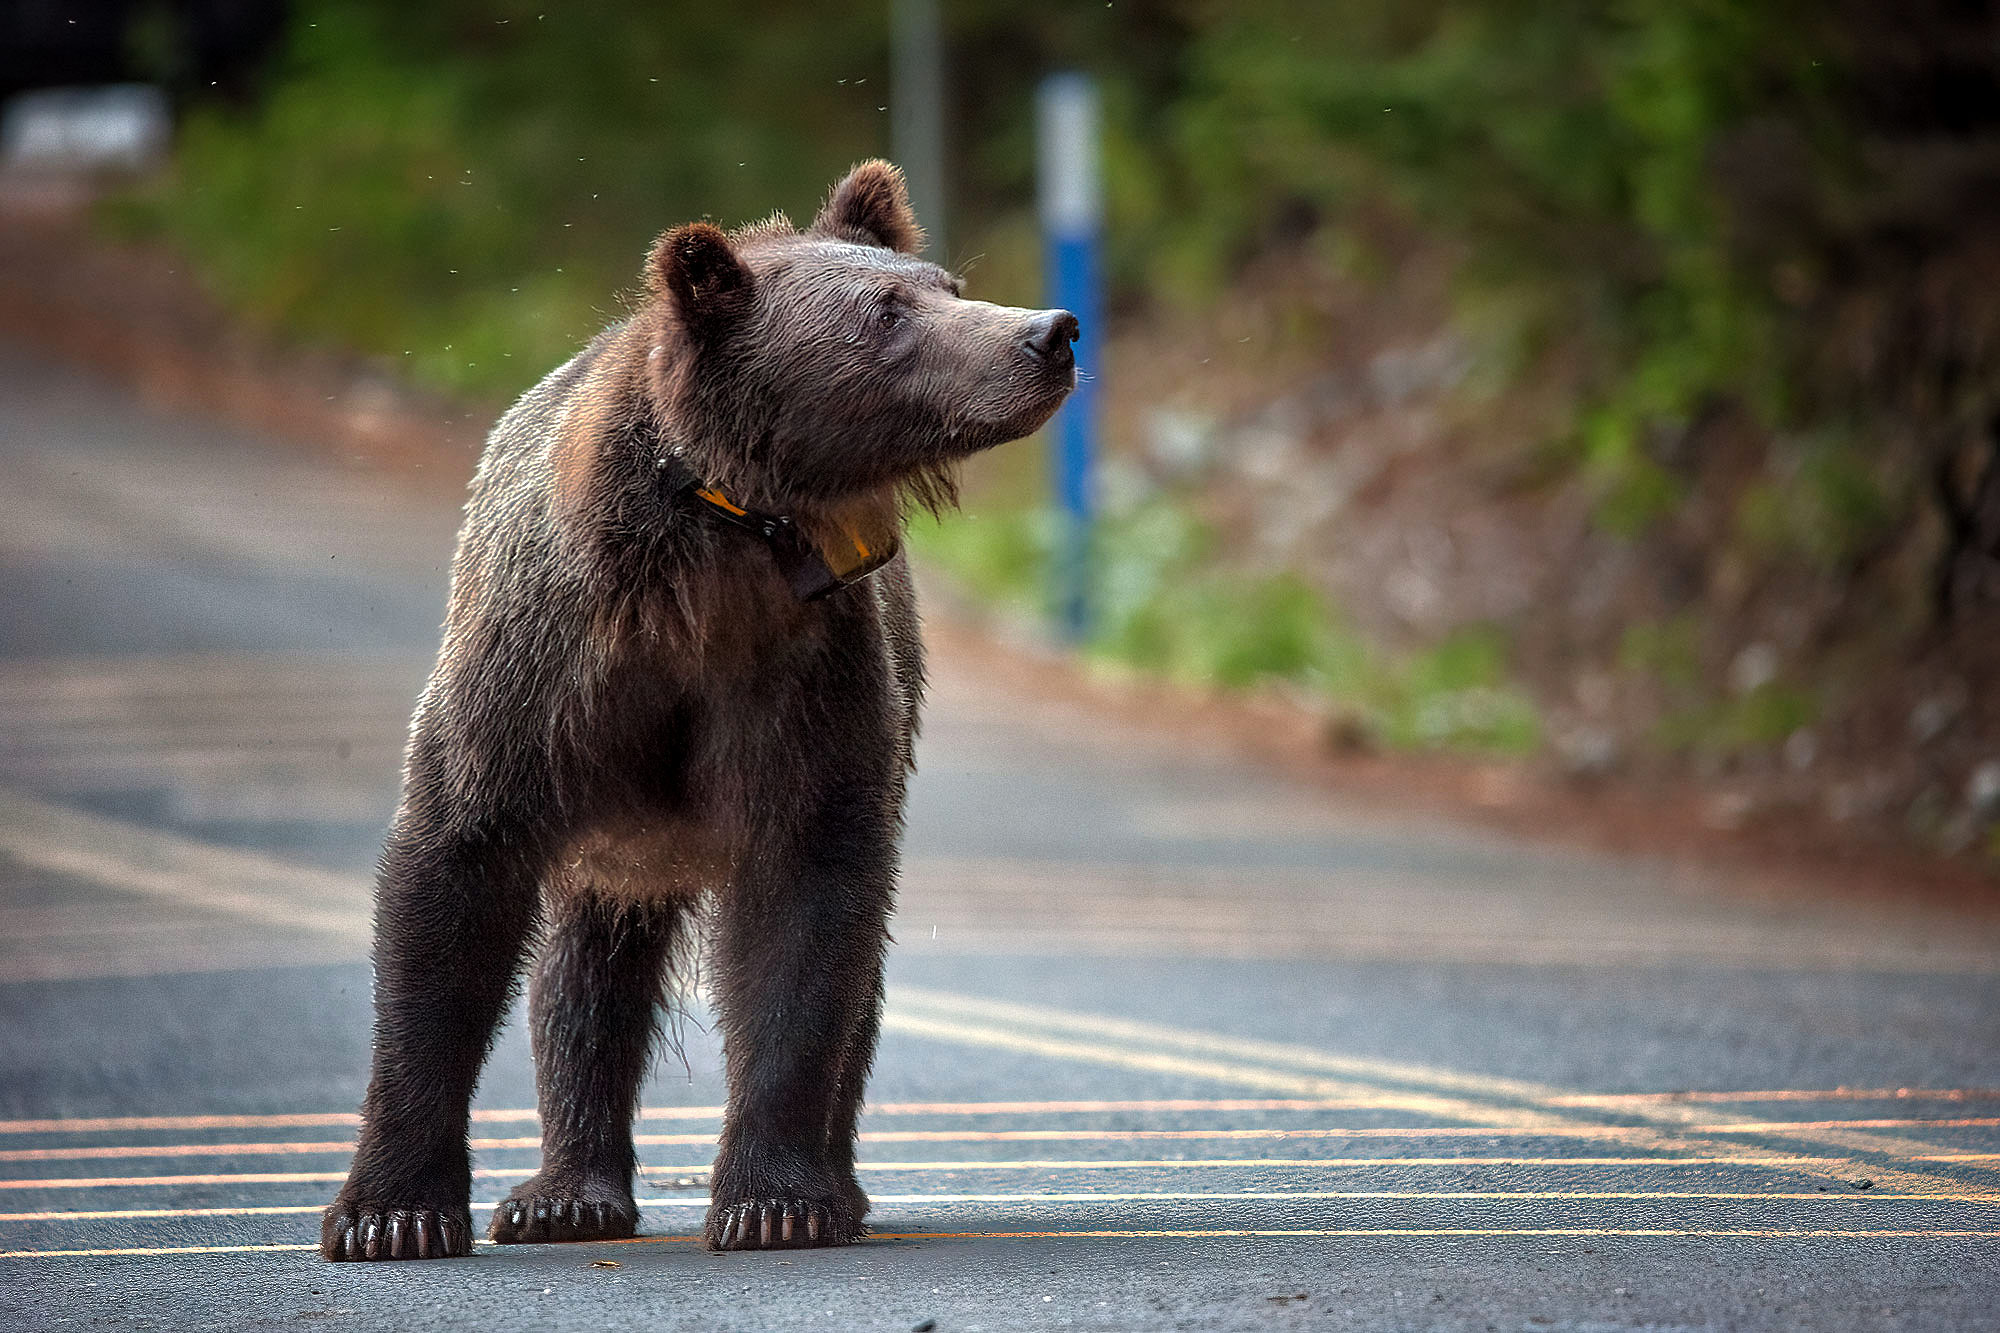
1500 1196
1101 1039
128 1214
1096 1051
218 1178
1614 1100
1773 1161
1773 1233
99 1152
1613 1133
1340 1233
150 1251
1795 1126
500 1115
105 1124
179 870
349 1119
1116 1196
910 1000
1780 1161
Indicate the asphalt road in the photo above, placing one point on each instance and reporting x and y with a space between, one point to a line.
1170 1044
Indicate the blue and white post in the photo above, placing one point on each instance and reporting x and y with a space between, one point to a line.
1071 206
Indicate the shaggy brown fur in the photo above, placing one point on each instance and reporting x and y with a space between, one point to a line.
633 716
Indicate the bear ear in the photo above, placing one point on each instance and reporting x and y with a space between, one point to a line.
872 206
694 266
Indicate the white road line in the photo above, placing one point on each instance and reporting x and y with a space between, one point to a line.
1775 1162
1125 1043
1211 1233
509 1115
1120 1196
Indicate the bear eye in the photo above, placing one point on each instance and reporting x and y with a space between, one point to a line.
888 317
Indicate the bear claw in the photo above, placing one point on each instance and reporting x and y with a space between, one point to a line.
538 1218
350 1235
778 1224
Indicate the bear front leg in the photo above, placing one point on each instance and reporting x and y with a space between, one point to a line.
798 982
453 912
856 1061
592 1009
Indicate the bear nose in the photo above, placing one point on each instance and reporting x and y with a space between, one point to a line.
1049 336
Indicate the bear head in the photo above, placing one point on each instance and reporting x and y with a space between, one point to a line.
808 368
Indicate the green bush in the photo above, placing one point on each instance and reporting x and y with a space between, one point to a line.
1830 510
467 188
1166 607
1759 720
1457 695
1668 200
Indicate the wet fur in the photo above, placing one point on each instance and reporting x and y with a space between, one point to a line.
633 727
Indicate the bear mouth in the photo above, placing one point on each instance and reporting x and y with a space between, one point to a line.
1024 418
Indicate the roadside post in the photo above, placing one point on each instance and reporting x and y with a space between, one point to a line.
916 112
1071 208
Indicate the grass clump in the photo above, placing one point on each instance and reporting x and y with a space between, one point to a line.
1166 606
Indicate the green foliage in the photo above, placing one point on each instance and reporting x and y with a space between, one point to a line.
472 183
1830 510
1633 490
1166 607
998 556
1759 719
1648 193
1456 695
1572 145
1667 651
485 175
468 187
1697 721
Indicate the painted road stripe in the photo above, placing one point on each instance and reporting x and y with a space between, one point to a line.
1771 1161
144 1252
1609 1132
1122 1196
350 1119
1794 1126
181 871
1096 1028
253 887
1616 1100
1342 1233
1374 1073
108 1124
1773 1233
233 1178
316 1119
256 887
1096 1038
1097 1051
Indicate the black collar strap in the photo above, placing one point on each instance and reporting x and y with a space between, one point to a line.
813 571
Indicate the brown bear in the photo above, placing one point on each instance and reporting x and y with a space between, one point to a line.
681 671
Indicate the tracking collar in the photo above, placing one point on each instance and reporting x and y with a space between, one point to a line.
812 569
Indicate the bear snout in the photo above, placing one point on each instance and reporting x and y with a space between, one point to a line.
1048 338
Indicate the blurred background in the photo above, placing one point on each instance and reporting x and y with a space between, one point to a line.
1614 387
1461 779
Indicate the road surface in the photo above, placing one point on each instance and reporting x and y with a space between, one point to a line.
1170 1044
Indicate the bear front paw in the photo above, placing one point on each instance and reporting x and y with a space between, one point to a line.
351 1233
780 1224
548 1212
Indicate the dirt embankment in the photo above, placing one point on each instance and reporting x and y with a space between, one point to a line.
1374 434
1741 692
